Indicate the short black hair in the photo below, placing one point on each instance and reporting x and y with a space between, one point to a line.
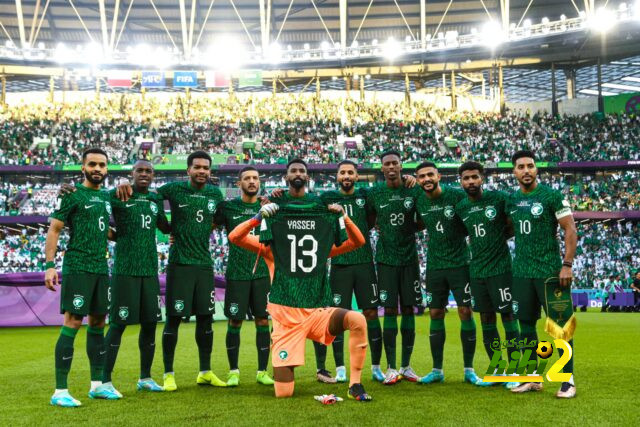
348 162
198 155
93 150
522 153
297 160
390 153
426 165
471 166
246 169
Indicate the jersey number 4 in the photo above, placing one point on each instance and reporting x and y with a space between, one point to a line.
307 260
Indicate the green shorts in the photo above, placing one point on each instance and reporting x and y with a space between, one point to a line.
241 295
134 299
358 278
440 282
401 281
190 290
492 294
84 293
528 298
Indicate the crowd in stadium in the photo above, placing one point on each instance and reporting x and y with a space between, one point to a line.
605 251
295 127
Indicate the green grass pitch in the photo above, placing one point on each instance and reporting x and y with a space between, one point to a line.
606 376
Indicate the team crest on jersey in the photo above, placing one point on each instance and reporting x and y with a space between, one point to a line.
383 295
283 354
107 206
337 298
154 208
515 307
78 301
537 209
449 212
490 212
179 305
211 206
408 203
360 202
429 298
123 313
233 308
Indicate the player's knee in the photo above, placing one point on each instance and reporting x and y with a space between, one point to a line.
236 323
407 310
261 321
507 317
370 314
283 389
389 311
96 321
73 321
436 313
488 317
355 322
463 312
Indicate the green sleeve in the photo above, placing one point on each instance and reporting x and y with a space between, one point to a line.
162 216
340 230
66 208
559 205
165 190
219 217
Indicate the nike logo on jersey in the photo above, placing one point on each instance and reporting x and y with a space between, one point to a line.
512 212
384 206
236 217
375 339
88 206
465 218
182 206
212 308
502 306
67 358
103 352
129 205
263 349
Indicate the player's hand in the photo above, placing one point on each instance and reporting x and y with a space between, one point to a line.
336 208
124 191
277 193
264 200
66 189
409 181
269 210
566 275
51 279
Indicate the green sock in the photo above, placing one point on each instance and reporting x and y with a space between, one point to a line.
338 350
96 352
321 355
468 338
569 366
511 333
389 335
263 343
204 340
375 340
437 336
489 335
147 347
64 355
233 346
408 332
112 345
170 341
528 333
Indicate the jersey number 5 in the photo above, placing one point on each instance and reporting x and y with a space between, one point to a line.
310 254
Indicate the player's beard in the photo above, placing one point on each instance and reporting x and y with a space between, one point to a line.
297 183
435 187
346 185
529 184
92 178
250 193
472 191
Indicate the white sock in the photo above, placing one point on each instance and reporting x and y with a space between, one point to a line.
340 367
374 367
60 390
95 384
571 381
439 371
144 379
235 371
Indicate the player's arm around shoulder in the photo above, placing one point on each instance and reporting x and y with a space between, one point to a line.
355 237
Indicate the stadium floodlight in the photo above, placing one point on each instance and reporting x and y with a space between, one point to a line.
274 53
334 78
636 10
324 45
306 46
356 77
374 42
63 54
391 49
41 45
367 77
225 53
355 44
602 21
492 34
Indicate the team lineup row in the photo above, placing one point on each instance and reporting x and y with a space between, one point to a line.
298 232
